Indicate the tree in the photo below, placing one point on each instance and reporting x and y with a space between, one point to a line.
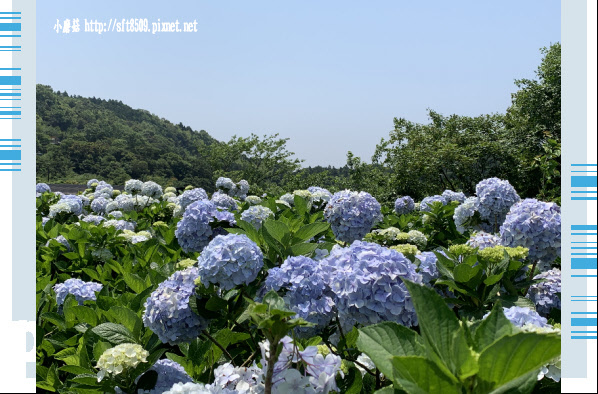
535 113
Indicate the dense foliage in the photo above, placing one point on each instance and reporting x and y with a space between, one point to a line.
163 291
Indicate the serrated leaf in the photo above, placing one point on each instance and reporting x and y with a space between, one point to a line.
309 231
385 340
492 328
114 333
136 284
303 249
440 329
463 273
513 356
127 318
418 375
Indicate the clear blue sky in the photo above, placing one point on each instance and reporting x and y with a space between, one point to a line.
330 75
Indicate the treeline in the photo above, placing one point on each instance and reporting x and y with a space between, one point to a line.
79 138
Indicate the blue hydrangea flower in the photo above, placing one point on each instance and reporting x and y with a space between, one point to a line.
83 291
151 189
230 260
316 189
224 201
133 186
91 182
426 203
61 240
95 219
169 373
241 190
496 197
464 213
535 225
427 267
42 188
125 203
352 215
167 312
288 198
256 215
190 196
225 183
103 189
483 240
365 280
120 225
115 214
306 291
546 294
98 205
253 200
45 220
450 196
404 205
75 202
194 231
521 316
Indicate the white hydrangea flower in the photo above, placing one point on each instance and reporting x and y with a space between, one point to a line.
120 358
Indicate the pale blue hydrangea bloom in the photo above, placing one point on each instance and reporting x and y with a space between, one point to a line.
483 240
103 189
225 183
125 202
83 291
98 205
426 203
151 189
197 388
61 240
224 201
496 197
253 200
464 213
366 281
288 198
42 188
115 214
75 202
169 373
427 267
95 219
167 312
352 214
521 316
230 260
45 220
320 196
190 196
316 189
194 231
241 190
450 196
546 294
91 182
133 186
246 380
535 225
111 206
305 290
85 200
120 224
404 205
256 215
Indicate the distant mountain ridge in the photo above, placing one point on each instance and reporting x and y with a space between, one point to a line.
80 137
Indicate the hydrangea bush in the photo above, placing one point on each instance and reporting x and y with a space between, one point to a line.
154 290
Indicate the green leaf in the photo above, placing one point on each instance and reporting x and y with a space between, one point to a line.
418 375
136 284
464 273
492 279
385 340
55 319
216 304
99 348
85 315
440 329
114 333
512 357
387 390
127 318
278 230
303 249
352 382
492 328
301 205
311 230
74 369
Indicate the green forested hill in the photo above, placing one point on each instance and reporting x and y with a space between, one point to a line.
81 137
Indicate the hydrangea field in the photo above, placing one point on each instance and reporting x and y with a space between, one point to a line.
152 290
